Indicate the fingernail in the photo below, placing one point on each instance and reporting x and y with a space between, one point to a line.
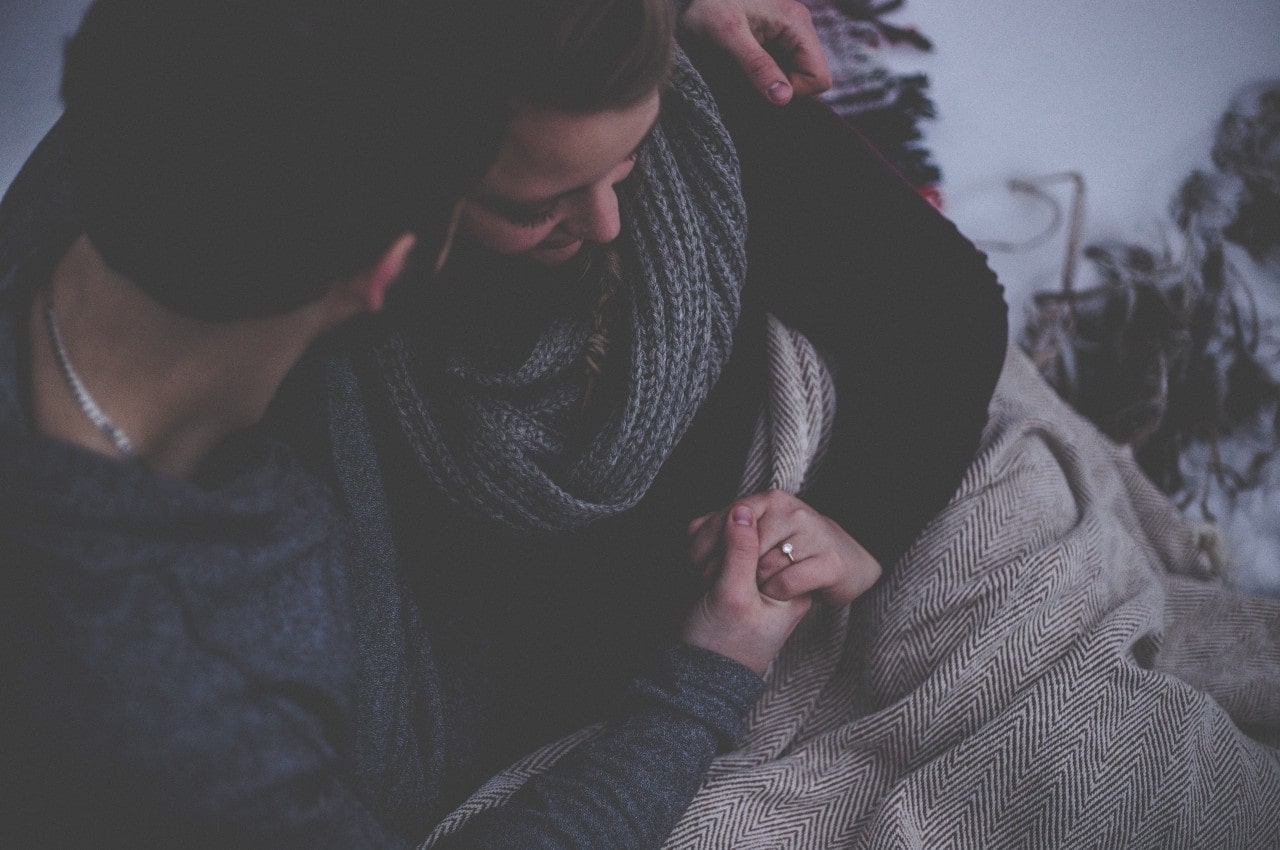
779 92
742 515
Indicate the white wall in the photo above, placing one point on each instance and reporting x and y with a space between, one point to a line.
1128 92
32 33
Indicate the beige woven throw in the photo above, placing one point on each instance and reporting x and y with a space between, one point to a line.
793 429
1050 665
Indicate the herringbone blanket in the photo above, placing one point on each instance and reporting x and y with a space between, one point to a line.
1049 666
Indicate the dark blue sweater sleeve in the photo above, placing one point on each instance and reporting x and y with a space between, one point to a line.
132 721
627 787
623 788
124 728
174 676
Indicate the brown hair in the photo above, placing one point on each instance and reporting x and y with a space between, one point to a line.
575 55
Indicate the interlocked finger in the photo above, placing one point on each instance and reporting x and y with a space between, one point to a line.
778 558
802 578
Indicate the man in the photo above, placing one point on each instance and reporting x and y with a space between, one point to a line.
243 177
230 183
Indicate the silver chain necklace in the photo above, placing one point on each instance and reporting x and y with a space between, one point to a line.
90 407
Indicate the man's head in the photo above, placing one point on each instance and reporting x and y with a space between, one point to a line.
236 158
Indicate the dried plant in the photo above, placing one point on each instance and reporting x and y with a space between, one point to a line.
1173 346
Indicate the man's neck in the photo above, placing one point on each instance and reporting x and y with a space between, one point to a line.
175 386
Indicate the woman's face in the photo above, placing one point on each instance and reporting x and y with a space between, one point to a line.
552 186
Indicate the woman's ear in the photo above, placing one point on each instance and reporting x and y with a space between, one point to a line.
370 286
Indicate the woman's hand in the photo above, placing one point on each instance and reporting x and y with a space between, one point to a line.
754 32
824 560
734 618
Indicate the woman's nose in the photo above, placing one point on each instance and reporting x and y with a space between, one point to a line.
597 218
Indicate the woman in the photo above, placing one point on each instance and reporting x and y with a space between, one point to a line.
517 656
540 503
565 411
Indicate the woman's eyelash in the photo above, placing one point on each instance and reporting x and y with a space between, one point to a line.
532 218
535 218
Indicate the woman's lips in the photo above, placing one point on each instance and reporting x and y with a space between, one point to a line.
556 243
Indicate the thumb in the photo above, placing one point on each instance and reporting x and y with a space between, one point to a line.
741 548
761 69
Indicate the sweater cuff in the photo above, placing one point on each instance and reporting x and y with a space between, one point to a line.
704 685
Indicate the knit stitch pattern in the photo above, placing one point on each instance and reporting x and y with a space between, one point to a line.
504 441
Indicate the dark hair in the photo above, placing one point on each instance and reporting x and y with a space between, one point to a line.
235 158
576 55
579 56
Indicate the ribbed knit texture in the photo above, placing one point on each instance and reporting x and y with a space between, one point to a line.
506 440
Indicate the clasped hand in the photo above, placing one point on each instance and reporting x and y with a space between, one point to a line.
759 594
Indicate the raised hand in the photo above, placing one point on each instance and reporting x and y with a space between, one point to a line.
774 42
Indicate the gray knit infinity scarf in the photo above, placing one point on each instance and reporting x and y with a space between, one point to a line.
508 438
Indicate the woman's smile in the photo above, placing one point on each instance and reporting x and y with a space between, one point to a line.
552 187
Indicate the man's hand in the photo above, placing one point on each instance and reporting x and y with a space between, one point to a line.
734 618
774 42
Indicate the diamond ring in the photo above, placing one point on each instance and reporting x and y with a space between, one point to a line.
787 549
